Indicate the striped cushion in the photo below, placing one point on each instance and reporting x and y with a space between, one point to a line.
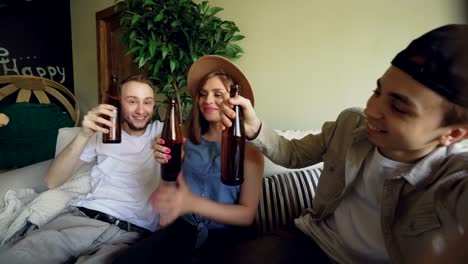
283 198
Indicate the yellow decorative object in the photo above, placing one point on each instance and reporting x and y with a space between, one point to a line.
4 120
43 89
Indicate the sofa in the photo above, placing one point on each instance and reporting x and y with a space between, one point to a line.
285 192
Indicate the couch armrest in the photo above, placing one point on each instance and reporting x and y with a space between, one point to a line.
31 176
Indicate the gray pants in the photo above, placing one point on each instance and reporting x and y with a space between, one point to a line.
72 237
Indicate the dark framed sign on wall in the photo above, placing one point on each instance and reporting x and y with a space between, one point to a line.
35 39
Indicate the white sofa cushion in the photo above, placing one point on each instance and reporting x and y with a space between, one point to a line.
65 136
271 168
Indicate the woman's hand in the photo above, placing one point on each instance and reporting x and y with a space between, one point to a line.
172 200
161 153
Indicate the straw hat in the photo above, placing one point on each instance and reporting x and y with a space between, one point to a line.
212 63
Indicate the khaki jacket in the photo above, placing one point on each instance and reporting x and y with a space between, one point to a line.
414 219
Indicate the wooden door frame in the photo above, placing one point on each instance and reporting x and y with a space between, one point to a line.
102 31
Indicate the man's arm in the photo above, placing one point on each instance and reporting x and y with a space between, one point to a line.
68 161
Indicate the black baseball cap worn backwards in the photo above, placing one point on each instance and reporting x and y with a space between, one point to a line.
439 60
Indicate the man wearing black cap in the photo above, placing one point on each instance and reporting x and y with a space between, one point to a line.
395 181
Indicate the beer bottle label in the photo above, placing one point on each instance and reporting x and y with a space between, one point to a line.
113 130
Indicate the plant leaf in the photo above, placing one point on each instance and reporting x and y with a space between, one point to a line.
140 41
173 63
204 6
135 19
194 57
236 38
176 23
166 88
164 50
157 65
141 62
160 16
133 34
133 50
214 10
152 47
149 3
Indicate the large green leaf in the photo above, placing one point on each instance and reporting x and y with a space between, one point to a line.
141 62
149 3
214 10
236 38
133 50
135 19
152 47
176 23
157 65
140 41
159 17
173 64
164 51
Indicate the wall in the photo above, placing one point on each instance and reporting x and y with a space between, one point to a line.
83 15
307 59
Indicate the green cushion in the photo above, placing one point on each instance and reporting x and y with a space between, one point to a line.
31 134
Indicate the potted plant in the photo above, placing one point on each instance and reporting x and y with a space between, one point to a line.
167 36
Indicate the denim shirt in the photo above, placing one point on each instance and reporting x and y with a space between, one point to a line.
202 172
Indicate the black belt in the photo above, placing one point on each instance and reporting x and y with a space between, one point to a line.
124 225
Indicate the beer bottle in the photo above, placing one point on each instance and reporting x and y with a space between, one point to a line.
172 137
233 146
113 98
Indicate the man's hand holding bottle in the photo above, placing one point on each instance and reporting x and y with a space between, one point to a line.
251 120
94 121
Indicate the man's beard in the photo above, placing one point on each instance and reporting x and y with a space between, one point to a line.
133 127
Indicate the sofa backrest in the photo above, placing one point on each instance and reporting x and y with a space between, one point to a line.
272 169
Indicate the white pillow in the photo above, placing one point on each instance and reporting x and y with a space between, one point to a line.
64 137
298 133
271 168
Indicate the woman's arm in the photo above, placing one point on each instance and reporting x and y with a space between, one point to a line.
244 212
173 203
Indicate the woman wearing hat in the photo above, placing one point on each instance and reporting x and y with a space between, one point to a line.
201 211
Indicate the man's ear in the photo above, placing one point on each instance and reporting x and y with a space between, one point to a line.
456 134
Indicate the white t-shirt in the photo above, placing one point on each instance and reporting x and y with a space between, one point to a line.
124 177
357 218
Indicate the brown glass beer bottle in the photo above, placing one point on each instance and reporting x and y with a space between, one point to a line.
113 98
172 137
233 147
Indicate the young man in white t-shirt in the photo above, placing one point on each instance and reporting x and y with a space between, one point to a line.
117 210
